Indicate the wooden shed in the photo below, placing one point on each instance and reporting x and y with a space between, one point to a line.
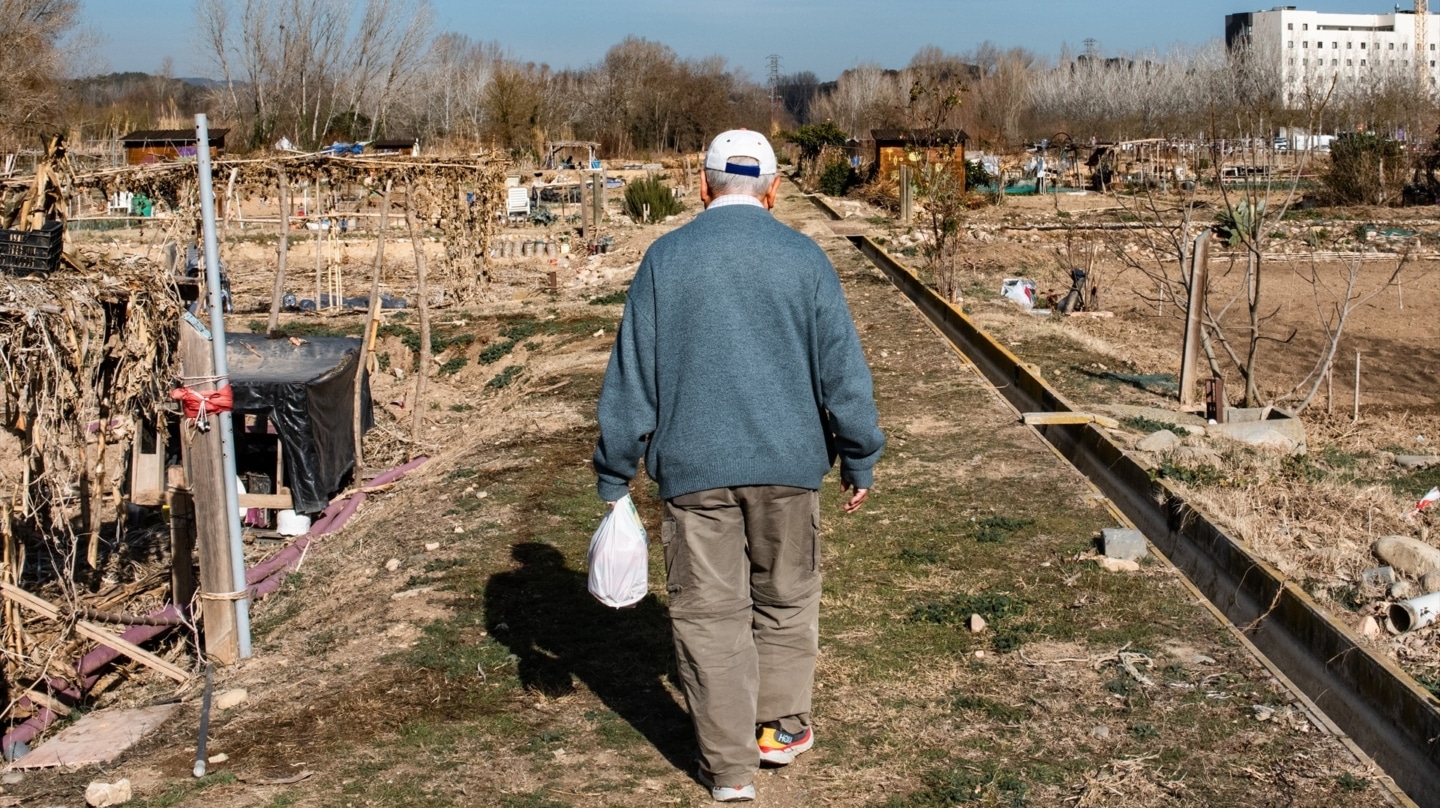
893 148
168 145
395 145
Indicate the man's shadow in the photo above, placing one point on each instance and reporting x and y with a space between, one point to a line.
544 613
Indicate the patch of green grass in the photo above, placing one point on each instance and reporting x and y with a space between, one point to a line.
1350 783
1203 474
460 474
452 366
927 555
461 407
382 361
322 641
1429 681
1336 458
1301 468
994 529
495 351
1013 636
440 338
1415 484
987 784
518 330
1148 426
994 710
1122 685
989 605
609 300
504 377
443 564
454 650
535 799
1143 732
184 790
616 732
311 328
279 608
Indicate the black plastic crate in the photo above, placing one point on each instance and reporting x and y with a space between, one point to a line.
25 251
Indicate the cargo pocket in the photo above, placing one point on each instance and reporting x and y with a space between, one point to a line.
815 533
668 533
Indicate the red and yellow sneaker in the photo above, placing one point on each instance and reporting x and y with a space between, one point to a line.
778 747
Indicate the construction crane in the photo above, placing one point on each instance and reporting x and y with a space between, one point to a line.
1422 61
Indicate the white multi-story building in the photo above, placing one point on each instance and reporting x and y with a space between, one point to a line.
1317 49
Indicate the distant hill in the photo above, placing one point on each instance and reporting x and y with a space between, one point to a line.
135 100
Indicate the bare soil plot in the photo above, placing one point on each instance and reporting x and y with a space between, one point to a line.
1314 517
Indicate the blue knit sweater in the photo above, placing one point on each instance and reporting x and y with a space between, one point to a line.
736 363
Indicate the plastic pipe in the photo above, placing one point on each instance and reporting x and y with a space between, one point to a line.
222 370
265 577
200 758
1414 613
87 669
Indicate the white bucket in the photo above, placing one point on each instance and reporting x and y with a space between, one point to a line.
290 523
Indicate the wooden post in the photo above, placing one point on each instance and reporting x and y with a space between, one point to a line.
907 195
417 410
319 265
369 339
230 202
282 253
205 473
585 229
597 199
182 546
1190 356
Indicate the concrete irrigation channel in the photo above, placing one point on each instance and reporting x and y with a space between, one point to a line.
1378 709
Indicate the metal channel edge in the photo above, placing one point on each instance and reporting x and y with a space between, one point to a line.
1381 708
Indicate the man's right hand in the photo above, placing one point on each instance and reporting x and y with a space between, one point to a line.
857 499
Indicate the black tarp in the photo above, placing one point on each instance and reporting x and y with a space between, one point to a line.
307 391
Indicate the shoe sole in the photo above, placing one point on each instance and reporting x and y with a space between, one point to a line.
726 793
784 757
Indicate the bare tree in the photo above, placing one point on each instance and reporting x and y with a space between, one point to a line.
1000 91
31 61
315 68
865 97
1334 303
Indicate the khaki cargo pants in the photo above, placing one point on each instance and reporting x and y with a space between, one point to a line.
742 567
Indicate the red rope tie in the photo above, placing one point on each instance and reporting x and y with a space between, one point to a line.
199 406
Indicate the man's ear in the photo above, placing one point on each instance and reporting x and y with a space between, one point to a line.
770 195
705 197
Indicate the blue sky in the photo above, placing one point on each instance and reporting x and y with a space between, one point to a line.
822 36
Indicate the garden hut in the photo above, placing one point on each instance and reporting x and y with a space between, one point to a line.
167 145
893 148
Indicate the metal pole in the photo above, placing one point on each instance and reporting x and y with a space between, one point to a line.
222 370
1356 417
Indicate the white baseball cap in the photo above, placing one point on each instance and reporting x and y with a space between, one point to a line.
741 143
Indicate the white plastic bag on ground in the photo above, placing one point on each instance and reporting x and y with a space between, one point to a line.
1020 290
620 557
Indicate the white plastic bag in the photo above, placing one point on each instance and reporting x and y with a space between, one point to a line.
620 557
1020 290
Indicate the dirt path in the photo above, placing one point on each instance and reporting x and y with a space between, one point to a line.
480 672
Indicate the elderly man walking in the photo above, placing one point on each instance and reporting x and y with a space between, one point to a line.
737 374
